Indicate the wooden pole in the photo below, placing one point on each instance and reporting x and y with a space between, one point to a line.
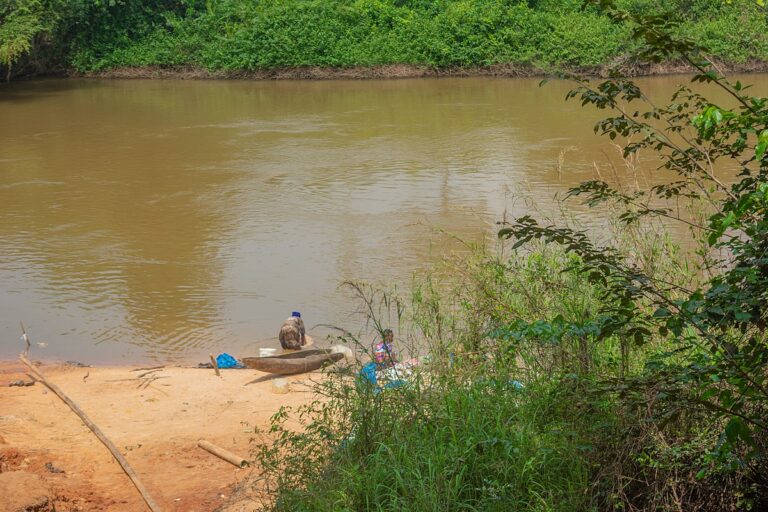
222 453
215 365
97 431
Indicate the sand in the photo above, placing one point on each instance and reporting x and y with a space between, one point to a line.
156 429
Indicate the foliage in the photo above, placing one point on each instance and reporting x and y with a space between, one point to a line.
249 35
16 34
720 345
21 23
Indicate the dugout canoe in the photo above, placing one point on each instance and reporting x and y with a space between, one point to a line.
301 361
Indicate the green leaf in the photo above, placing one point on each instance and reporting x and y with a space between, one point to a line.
737 430
762 144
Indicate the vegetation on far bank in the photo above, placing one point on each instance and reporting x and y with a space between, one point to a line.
566 375
226 36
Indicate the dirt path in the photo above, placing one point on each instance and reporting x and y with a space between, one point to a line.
156 428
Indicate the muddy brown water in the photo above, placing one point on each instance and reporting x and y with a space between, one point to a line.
168 219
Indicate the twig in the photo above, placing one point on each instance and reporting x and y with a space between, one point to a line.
147 373
215 365
331 326
97 431
136 378
148 368
158 389
25 338
144 384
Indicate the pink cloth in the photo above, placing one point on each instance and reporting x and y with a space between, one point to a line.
384 353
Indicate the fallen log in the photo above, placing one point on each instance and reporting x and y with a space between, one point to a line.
97 431
222 453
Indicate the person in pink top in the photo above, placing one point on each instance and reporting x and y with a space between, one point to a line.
384 354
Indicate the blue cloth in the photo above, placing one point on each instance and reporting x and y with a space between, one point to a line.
296 314
368 372
227 361
516 384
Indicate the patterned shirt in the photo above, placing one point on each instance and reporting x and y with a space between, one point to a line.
384 354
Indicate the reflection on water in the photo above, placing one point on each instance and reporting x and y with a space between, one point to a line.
168 218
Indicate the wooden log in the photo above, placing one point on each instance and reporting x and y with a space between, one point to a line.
215 365
222 453
97 431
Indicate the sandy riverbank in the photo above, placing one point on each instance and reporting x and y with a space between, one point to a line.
156 428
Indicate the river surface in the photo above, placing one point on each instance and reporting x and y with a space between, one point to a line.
163 220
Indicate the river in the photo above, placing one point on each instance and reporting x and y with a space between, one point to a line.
162 220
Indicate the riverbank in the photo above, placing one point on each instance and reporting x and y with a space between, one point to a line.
400 71
154 423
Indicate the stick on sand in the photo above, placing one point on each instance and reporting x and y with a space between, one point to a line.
25 337
222 453
215 365
97 431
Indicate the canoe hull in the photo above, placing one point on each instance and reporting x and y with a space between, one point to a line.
292 363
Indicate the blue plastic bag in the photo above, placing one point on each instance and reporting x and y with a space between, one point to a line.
227 361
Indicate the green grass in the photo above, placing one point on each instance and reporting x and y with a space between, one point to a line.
476 447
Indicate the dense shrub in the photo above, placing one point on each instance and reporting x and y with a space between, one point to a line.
250 35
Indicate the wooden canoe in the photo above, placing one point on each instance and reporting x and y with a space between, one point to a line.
301 361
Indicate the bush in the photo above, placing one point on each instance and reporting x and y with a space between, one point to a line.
250 35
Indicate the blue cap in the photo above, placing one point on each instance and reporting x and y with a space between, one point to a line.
296 314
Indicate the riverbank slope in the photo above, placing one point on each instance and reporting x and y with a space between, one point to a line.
155 424
396 71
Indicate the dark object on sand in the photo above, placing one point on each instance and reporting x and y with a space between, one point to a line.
77 364
292 363
21 383
53 469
